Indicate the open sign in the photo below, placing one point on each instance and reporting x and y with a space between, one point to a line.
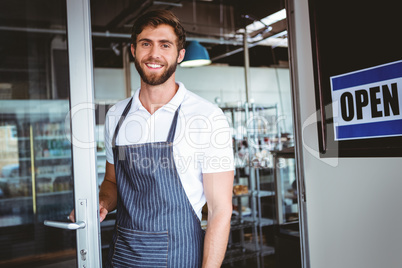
367 103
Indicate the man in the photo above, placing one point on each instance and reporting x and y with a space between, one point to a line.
168 151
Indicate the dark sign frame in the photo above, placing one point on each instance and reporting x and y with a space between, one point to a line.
345 38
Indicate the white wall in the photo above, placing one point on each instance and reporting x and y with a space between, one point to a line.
353 204
267 86
109 84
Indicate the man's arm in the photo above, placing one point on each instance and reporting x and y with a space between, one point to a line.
107 192
218 189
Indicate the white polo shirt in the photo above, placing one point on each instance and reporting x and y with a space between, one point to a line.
202 143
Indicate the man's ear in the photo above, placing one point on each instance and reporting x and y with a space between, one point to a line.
182 52
133 50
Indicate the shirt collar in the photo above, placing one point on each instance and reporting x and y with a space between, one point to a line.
171 106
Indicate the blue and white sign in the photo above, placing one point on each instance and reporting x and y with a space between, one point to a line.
367 103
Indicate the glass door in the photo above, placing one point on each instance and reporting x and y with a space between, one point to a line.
47 148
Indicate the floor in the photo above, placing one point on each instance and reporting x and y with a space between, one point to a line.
269 262
64 264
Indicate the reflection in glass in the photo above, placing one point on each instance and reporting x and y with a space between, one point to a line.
289 189
35 152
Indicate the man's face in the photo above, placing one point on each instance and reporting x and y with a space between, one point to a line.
155 55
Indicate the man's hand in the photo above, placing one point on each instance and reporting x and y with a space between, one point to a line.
107 194
102 214
72 216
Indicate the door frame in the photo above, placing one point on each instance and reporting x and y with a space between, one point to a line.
297 25
82 116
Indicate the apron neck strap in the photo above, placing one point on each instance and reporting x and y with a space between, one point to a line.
172 129
123 116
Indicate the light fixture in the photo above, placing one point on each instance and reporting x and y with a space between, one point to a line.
196 55
114 46
269 20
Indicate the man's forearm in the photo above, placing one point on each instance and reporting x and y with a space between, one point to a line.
216 239
108 195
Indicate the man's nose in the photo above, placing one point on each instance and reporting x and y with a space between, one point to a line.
155 52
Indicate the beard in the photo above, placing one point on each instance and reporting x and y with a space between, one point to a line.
154 79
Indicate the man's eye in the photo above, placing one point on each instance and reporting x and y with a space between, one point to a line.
165 46
145 44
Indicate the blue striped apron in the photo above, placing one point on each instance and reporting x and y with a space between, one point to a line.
156 225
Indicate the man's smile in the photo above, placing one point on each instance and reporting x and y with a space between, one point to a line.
154 65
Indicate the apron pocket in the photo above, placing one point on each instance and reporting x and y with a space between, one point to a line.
135 248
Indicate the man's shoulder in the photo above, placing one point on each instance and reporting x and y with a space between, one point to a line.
118 108
194 104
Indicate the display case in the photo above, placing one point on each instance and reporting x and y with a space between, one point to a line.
286 186
36 182
286 232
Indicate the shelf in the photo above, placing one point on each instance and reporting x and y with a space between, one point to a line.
260 222
19 159
290 232
241 195
236 225
250 108
264 249
252 167
250 221
266 222
242 220
24 199
256 247
238 254
23 138
55 193
38 176
14 179
262 135
266 193
256 194
53 157
59 174
53 137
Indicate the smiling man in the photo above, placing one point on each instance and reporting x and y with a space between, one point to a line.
156 64
159 202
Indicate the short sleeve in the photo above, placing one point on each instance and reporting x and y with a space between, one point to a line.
218 156
108 139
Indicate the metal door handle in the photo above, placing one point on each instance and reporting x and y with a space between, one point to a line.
66 225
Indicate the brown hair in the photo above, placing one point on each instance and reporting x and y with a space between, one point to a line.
155 18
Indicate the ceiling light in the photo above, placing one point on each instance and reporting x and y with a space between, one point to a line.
271 19
276 40
196 55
